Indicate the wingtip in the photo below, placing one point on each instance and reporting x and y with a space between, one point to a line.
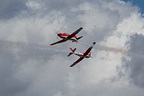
94 42
72 65
52 44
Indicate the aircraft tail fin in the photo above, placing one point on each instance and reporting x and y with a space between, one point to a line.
72 51
79 37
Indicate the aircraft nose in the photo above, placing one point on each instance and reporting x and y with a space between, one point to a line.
58 34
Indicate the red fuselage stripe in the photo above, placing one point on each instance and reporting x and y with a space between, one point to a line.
65 35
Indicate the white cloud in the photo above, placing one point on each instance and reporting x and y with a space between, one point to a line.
33 5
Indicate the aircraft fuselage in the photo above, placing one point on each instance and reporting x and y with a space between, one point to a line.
65 36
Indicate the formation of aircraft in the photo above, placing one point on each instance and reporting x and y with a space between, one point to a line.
65 37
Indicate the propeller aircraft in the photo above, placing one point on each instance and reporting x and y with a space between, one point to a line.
86 54
65 37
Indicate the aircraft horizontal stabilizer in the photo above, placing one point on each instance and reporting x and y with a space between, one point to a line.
79 37
72 51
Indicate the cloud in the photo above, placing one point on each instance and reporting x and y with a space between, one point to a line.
9 9
34 72
134 66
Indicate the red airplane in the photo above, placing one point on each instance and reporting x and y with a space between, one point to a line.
86 54
66 37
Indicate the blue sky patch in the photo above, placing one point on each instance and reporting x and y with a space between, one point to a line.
139 3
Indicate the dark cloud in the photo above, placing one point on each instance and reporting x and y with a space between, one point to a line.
8 67
135 66
10 8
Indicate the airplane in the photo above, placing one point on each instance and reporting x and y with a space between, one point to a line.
65 37
78 54
86 54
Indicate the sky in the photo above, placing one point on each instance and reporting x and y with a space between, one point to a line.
43 70
138 3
